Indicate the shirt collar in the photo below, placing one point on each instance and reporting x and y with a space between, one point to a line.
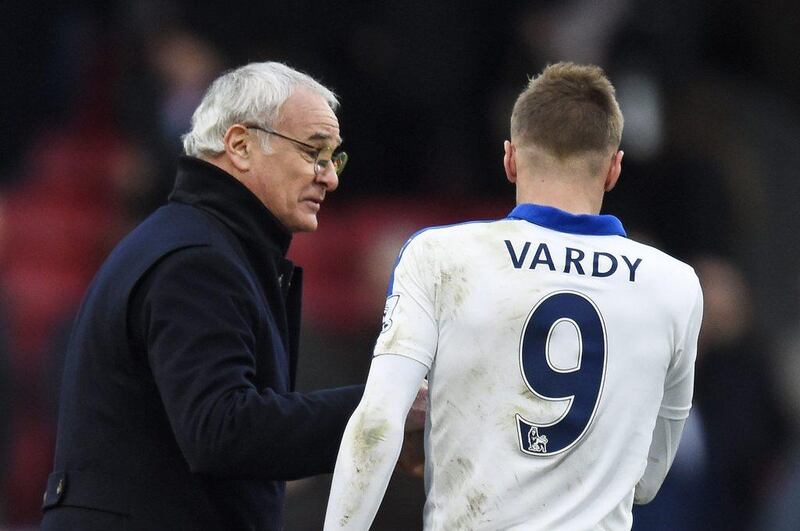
210 188
555 219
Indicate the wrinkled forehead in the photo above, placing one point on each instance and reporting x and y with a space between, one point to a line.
308 115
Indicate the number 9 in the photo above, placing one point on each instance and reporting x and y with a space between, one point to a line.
581 385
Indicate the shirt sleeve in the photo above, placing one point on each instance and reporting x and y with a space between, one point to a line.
664 446
372 442
196 317
675 406
679 384
409 325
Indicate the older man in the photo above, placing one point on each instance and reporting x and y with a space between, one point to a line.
178 410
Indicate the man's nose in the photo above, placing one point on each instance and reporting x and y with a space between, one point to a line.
327 177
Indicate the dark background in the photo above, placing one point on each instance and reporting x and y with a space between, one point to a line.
95 96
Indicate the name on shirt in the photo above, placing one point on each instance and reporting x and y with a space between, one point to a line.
574 261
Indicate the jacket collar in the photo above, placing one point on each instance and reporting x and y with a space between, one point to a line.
555 219
209 188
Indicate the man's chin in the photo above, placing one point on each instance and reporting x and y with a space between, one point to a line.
307 224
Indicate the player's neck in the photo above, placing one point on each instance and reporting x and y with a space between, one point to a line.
564 196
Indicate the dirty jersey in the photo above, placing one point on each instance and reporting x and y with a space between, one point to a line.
553 343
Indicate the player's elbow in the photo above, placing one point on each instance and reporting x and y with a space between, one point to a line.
650 482
373 428
644 498
646 491
372 425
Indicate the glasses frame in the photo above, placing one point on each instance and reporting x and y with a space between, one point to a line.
339 159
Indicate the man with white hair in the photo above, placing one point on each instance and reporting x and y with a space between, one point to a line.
177 409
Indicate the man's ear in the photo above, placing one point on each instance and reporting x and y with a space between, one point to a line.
614 169
510 161
238 147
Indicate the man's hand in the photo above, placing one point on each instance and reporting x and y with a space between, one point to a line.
412 455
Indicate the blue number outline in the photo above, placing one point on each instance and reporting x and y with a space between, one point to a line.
519 418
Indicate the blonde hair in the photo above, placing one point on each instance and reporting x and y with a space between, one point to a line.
568 110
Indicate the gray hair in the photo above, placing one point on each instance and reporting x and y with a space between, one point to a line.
253 93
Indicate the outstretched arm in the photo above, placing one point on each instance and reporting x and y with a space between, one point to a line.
195 315
372 442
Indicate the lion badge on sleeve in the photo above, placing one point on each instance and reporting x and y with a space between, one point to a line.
388 310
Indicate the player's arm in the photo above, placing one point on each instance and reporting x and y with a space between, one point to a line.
666 436
372 442
675 406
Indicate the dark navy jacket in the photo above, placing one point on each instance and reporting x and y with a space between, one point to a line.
177 408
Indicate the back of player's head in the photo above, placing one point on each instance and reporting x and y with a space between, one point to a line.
568 110
252 93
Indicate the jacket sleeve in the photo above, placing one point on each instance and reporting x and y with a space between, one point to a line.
197 318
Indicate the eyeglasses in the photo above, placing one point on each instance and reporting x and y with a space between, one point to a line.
322 157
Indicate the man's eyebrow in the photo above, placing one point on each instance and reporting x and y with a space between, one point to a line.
325 136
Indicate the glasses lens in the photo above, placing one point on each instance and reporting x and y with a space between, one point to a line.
339 161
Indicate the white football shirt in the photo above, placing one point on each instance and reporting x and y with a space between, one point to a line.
553 343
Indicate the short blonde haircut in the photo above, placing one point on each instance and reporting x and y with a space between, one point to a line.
568 110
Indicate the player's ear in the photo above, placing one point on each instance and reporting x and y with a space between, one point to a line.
238 147
510 161
614 169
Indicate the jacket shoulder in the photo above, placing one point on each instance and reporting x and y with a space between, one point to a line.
171 228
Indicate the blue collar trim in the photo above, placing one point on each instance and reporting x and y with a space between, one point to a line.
553 218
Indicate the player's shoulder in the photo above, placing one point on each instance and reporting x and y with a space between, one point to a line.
666 266
442 244
452 232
